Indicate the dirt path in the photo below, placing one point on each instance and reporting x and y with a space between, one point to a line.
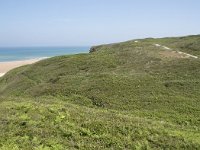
179 52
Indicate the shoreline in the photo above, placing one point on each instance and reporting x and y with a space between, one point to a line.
9 65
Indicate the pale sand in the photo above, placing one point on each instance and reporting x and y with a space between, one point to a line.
179 52
2 74
7 66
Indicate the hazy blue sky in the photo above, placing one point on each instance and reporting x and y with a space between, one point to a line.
90 22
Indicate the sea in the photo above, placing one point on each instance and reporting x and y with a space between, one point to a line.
25 53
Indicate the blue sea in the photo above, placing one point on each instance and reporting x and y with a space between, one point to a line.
25 53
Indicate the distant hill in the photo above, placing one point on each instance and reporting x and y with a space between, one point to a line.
139 94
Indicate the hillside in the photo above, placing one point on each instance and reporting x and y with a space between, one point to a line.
139 94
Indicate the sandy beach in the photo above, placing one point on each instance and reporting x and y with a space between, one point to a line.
7 66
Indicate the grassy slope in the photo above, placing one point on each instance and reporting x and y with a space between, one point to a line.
125 95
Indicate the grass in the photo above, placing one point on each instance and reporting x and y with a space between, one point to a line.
60 125
122 96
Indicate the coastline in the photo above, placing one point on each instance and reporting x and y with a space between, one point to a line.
7 66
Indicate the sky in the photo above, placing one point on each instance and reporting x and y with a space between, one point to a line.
93 22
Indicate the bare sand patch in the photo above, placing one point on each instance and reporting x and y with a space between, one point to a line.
172 54
175 54
7 66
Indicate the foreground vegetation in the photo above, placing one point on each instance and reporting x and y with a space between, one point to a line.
130 95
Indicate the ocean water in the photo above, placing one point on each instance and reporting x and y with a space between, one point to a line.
25 53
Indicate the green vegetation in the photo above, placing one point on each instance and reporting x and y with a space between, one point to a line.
130 95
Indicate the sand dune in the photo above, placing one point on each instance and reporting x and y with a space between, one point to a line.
7 66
